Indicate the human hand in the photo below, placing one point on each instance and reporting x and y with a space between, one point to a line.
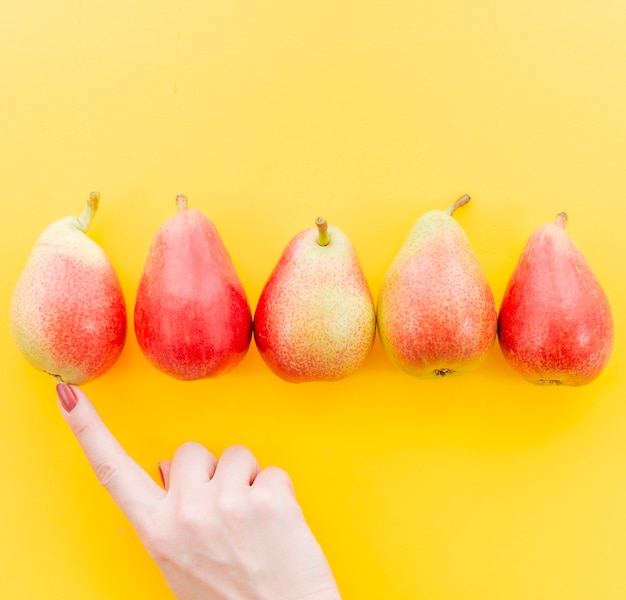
220 530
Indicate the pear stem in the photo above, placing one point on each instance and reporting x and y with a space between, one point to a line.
561 220
84 221
181 202
462 201
323 238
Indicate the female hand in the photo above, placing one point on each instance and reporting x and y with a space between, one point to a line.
220 529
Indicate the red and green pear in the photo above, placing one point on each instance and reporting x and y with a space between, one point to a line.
67 313
436 312
315 319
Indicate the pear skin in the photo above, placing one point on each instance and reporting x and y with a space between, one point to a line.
436 312
192 317
315 319
555 325
68 315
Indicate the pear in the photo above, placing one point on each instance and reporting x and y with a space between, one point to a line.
68 316
436 312
192 317
315 319
555 325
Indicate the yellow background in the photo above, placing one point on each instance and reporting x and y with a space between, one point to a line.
266 113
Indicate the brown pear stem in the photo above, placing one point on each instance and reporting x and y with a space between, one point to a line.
462 201
323 238
561 219
84 221
181 202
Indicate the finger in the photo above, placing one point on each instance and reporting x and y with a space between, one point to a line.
164 472
129 485
237 466
192 464
276 478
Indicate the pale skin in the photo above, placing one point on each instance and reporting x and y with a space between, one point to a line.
218 529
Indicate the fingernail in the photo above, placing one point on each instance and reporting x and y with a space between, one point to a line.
67 396
161 474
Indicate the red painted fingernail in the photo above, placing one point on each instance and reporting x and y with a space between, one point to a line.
67 396
161 474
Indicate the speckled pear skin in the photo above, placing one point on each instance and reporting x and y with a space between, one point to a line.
315 319
436 312
67 313
555 323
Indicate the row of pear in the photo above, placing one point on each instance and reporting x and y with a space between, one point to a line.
315 320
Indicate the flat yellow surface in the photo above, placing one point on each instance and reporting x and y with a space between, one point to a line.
267 114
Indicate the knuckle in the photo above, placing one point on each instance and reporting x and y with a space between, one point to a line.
237 450
231 506
188 516
280 476
189 447
106 472
266 502
82 429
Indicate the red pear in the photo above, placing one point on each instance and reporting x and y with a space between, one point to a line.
192 318
555 325
68 315
315 319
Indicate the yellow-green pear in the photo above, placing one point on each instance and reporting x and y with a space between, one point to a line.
436 312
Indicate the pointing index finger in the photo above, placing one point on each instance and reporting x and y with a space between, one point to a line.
132 489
